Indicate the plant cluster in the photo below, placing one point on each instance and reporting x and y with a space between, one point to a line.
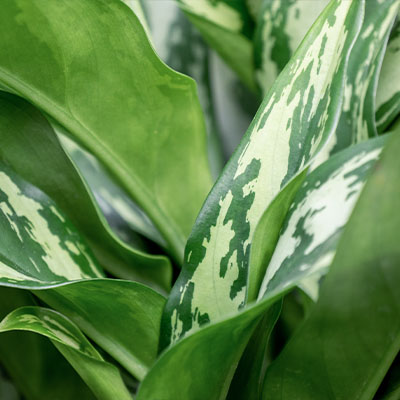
149 250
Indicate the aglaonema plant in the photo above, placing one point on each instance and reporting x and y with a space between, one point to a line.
140 259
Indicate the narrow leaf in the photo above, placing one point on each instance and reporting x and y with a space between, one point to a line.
103 378
356 321
35 366
357 122
293 123
317 216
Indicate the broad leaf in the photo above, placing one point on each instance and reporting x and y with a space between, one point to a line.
23 127
227 27
388 93
102 378
293 123
356 321
357 122
35 366
92 70
281 26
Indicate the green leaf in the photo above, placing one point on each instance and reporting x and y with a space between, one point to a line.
115 204
320 210
249 375
122 317
23 127
35 366
227 27
388 92
53 254
181 46
281 26
89 67
293 123
357 122
356 321
103 378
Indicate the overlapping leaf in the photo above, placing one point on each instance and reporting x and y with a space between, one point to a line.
39 245
200 373
388 92
35 366
90 65
293 123
356 322
317 216
357 122
40 249
281 26
23 127
227 27
103 378
181 47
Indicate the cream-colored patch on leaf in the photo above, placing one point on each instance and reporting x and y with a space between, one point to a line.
270 144
57 258
215 297
325 210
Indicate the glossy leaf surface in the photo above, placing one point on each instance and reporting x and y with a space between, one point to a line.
281 26
23 127
103 378
90 65
291 126
317 216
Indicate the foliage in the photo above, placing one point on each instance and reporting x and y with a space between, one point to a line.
141 258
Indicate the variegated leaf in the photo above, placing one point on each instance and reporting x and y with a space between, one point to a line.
281 26
317 216
50 251
172 375
227 27
388 92
356 321
292 124
357 122
103 378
